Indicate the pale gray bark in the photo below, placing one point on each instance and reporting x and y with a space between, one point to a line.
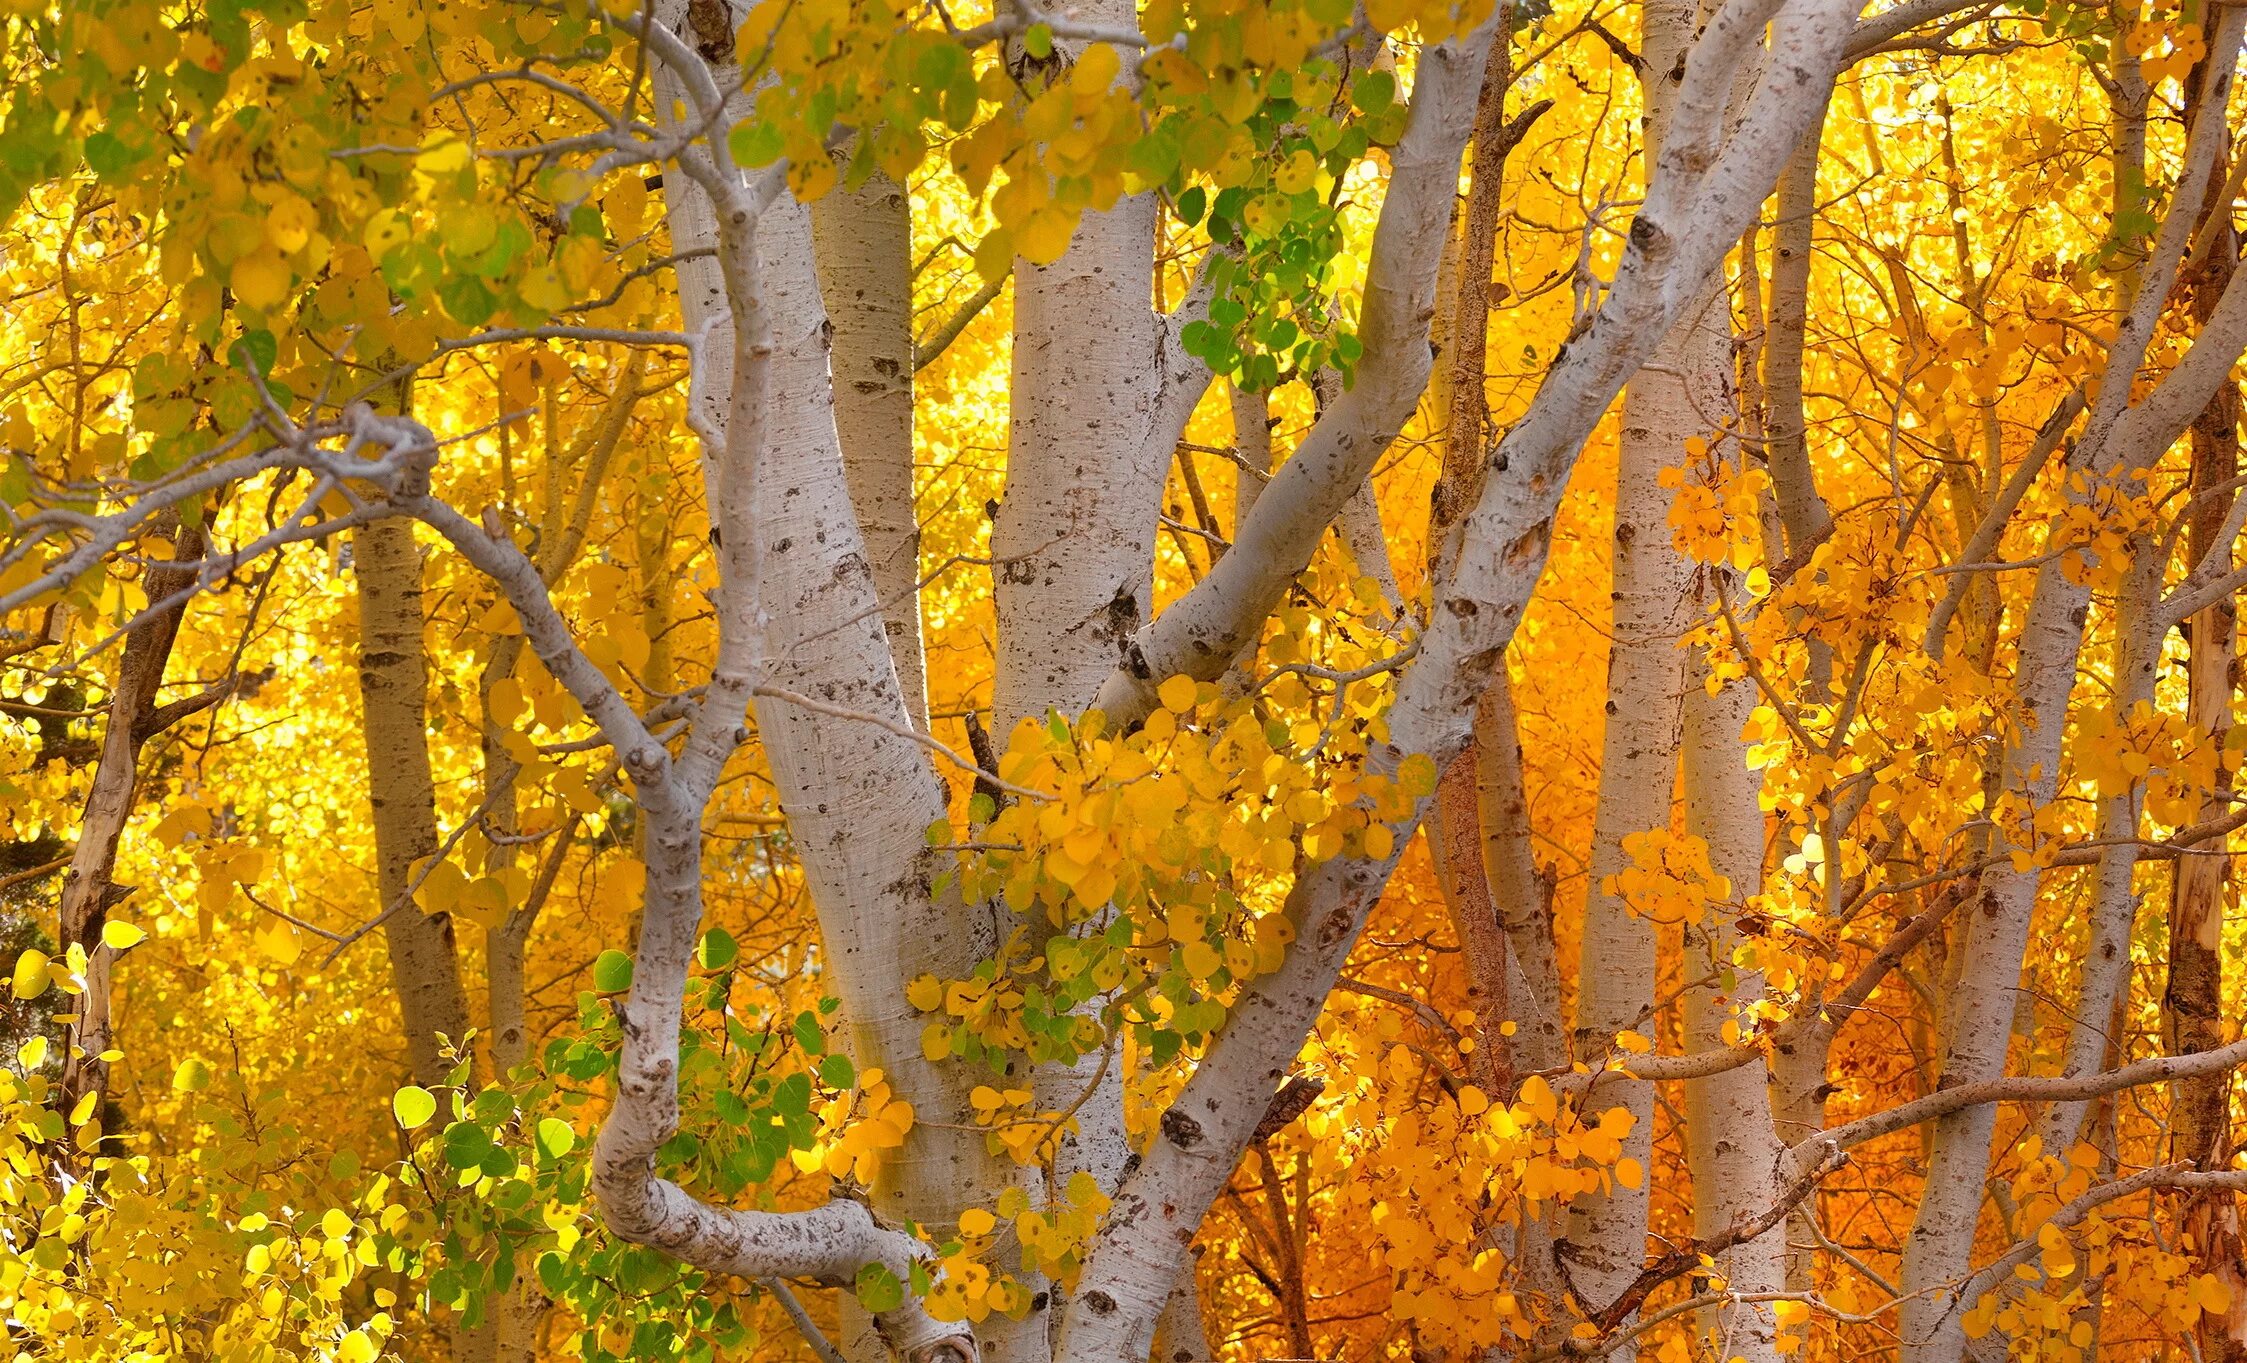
1673 252
1683 393
1737 1161
1074 538
1203 632
862 240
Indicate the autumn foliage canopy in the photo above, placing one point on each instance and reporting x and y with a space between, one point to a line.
1201 681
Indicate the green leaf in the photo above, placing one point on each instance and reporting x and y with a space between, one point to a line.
1373 91
1038 41
808 1034
106 154
466 1145
878 1288
1192 204
255 348
612 972
413 1105
755 144
717 949
836 1071
554 1137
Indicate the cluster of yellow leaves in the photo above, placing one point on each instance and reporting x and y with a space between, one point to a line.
856 1128
2155 748
1514 1162
1204 785
136 1258
2098 525
1669 879
1150 864
2109 1251
1052 1237
1716 512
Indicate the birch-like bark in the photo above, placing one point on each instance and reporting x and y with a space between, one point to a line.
2192 1003
858 795
1074 538
2114 896
862 240
1205 630
1737 1162
1180 1336
1787 451
1683 393
1705 191
1100 392
1521 893
393 690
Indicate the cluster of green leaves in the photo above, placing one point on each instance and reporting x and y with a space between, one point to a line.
503 1172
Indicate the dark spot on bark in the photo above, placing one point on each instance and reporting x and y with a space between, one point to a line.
1463 607
1181 1130
1100 1303
1528 544
1040 1301
785 541
381 658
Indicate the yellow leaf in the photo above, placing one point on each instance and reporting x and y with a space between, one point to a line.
925 992
289 224
193 1074
1043 237
260 279
280 943
1095 70
31 974
2211 1295
442 154
1177 694
976 1221
121 936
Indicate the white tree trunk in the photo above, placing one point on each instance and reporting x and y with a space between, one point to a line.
1683 393
1737 1161
862 240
